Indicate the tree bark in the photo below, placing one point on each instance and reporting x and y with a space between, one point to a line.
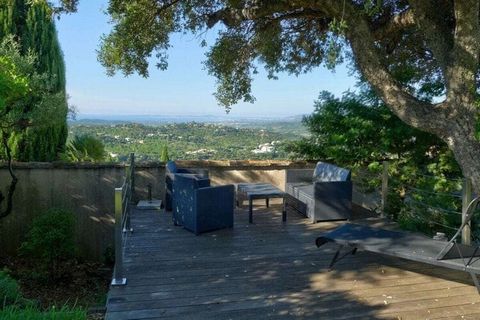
461 139
455 119
13 183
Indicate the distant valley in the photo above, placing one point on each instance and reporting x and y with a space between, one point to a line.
192 137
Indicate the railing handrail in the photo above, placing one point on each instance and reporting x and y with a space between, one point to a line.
123 199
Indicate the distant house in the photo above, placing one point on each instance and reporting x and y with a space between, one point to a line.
268 147
201 151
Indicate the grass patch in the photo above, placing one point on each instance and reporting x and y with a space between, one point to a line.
33 313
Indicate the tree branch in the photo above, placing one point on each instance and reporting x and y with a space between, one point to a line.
435 28
233 17
13 183
165 6
461 73
396 24
407 107
363 39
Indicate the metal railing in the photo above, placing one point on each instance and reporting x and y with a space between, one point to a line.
465 194
123 199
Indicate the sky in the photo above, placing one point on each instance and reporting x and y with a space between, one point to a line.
184 89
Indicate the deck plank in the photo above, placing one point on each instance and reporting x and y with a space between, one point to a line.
272 270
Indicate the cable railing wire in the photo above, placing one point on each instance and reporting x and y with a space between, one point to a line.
416 196
429 221
448 194
447 211
437 177
123 199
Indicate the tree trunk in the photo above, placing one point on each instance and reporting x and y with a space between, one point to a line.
461 139
454 120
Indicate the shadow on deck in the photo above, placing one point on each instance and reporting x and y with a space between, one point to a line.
271 270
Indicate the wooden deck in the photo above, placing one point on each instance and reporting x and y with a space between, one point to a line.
271 270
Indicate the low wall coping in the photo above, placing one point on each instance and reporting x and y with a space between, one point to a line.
231 164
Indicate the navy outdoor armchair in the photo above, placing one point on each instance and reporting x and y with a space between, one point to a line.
198 207
170 170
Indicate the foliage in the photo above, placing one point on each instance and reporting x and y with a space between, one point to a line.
357 130
9 289
10 294
424 67
31 24
50 241
17 78
34 313
64 6
85 148
14 306
164 154
13 86
284 36
186 141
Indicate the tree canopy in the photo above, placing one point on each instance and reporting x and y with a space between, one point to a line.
402 48
357 130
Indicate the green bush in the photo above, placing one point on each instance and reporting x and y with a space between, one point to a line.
33 313
85 148
50 241
164 157
9 289
10 292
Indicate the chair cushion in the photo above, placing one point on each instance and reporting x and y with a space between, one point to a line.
326 172
171 166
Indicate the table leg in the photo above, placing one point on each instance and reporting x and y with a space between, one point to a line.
267 202
250 210
284 210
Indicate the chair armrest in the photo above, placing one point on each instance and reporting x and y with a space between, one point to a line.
299 176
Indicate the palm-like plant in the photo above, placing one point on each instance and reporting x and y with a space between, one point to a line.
85 148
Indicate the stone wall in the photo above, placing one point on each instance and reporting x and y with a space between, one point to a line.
87 190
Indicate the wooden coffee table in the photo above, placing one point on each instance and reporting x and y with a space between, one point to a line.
252 191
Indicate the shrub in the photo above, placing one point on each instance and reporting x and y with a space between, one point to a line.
85 148
9 289
10 292
164 157
50 241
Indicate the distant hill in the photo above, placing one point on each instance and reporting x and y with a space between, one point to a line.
261 139
168 119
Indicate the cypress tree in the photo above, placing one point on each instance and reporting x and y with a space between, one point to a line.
31 22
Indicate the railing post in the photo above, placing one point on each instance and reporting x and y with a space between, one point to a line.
466 199
118 279
132 176
384 188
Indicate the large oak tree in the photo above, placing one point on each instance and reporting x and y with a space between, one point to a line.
401 48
